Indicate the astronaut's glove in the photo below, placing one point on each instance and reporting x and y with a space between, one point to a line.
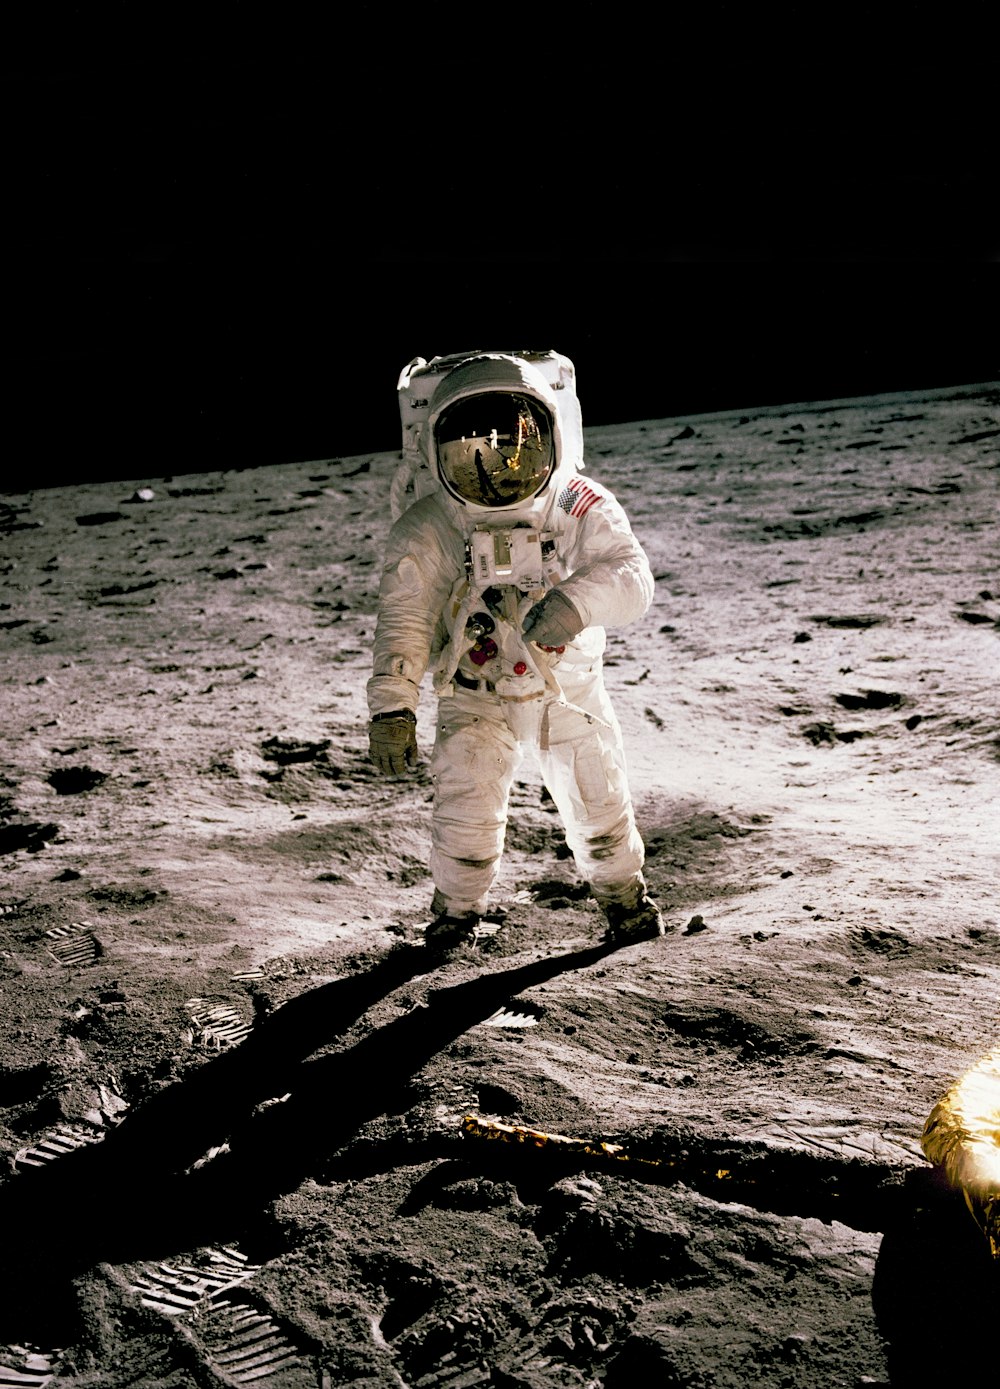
392 741
552 622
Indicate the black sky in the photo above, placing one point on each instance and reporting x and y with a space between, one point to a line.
232 225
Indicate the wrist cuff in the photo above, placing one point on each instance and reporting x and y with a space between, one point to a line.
395 714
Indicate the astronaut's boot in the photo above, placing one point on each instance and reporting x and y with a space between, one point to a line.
449 928
632 917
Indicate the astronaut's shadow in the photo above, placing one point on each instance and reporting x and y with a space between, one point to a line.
143 1194
936 1289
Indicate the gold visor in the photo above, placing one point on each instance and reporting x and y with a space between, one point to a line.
494 450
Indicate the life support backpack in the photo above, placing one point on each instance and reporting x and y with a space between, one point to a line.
417 383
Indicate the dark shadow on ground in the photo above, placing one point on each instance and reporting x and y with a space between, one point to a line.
134 1196
936 1289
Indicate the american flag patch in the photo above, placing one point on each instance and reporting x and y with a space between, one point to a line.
577 497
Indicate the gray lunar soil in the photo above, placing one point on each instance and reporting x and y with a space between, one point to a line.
254 1135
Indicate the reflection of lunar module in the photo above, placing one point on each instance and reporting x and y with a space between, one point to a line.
962 1136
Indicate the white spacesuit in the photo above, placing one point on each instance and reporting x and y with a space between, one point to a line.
504 576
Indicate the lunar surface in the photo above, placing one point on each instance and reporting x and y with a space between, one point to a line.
254 1134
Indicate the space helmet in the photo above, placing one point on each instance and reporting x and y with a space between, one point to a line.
495 449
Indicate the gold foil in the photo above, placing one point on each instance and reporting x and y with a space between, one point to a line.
493 1129
962 1136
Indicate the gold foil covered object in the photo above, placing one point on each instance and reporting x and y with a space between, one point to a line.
493 1129
962 1136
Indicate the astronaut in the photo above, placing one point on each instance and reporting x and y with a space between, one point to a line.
503 578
